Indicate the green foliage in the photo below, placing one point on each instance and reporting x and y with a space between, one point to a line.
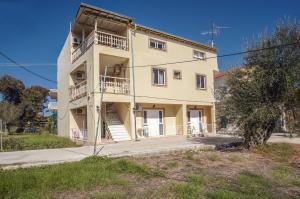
80 176
31 142
11 89
266 85
20 104
9 113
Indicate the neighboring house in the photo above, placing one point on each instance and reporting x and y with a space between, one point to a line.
221 86
171 99
222 124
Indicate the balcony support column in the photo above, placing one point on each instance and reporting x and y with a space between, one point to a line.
96 24
83 34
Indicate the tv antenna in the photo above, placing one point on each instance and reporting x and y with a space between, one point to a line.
215 30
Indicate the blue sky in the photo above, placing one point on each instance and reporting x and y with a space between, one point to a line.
33 31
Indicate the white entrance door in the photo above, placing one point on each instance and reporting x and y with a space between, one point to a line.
153 121
194 119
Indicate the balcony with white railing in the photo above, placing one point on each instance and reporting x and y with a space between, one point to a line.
78 90
111 40
116 85
100 38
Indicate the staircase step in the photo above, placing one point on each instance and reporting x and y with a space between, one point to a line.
115 126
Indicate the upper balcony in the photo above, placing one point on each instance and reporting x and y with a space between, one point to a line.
101 38
97 26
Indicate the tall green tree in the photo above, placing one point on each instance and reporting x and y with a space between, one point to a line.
26 102
9 113
11 89
265 88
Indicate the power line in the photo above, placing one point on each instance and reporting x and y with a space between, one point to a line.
177 62
26 69
224 55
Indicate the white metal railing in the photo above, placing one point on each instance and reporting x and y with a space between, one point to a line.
83 47
79 134
114 85
103 38
112 40
78 91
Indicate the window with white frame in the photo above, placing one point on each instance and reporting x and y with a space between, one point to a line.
160 45
199 55
200 81
158 76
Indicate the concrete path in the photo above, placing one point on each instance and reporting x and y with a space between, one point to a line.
276 138
29 158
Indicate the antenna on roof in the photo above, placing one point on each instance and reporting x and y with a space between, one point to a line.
215 30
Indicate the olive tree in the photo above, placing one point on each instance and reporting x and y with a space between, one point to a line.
266 86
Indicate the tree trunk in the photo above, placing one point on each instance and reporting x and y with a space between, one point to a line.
258 138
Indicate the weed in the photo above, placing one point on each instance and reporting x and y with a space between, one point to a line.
214 157
234 158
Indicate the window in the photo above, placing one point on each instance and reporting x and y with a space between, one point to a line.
157 44
177 74
199 55
158 76
201 81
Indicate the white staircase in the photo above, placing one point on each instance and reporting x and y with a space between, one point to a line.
116 128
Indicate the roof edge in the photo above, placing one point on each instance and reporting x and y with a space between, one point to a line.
191 42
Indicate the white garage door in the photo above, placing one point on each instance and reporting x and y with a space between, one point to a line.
153 121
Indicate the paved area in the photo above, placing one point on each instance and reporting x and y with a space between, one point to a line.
281 138
29 158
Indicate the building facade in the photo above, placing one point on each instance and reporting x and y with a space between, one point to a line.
127 81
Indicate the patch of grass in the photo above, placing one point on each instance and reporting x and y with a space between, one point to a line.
280 152
234 158
81 176
284 175
172 165
198 180
189 155
187 191
32 142
246 185
214 157
225 194
110 195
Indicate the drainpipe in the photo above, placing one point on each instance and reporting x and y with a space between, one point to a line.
133 81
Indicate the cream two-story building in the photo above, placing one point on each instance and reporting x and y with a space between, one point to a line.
127 81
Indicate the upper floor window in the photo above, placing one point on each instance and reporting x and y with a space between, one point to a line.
160 45
200 81
177 74
199 55
158 76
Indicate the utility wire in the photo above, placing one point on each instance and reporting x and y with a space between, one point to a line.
26 69
183 61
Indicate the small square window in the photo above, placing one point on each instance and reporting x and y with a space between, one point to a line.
177 74
199 55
